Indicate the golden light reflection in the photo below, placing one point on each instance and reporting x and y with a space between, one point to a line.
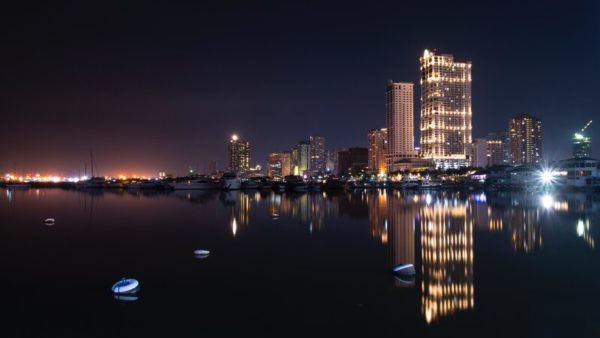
447 260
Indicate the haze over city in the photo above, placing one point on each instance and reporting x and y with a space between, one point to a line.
161 89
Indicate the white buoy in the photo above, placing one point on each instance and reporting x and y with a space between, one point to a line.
126 286
405 269
49 221
201 252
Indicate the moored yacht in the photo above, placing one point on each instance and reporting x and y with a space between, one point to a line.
230 181
295 183
193 183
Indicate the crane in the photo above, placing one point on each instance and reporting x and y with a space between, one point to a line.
587 125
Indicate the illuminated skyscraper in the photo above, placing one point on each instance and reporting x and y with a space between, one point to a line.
446 110
478 153
378 150
525 133
239 154
399 120
317 153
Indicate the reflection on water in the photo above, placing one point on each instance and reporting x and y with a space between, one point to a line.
434 231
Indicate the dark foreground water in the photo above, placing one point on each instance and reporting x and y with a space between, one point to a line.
502 265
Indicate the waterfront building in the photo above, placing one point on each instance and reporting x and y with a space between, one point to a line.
301 158
317 154
525 133
239 154
399 101
279 164
479 153
581 172
353 161
378 148
496 146
332 160
446 110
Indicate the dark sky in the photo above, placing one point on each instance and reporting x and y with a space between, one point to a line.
161 87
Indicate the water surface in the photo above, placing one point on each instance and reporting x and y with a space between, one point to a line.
495 265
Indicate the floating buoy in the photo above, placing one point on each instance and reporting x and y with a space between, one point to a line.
49 221
405 270
201 252
126 286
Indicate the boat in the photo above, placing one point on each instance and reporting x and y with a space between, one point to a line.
94 183
404 270
409 183
49 221
249 184
430 184
295 183
278 186
192 183
333 183
126 286
265 184
314 186
201 252
230 181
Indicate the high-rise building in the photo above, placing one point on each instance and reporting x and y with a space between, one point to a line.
378 141
239 154
525 133
317 153
353 160
279 164
582 146
446 110
399 102
332 160
301 158
496 145
478 153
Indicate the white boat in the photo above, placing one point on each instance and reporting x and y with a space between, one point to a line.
409 183
17 185
250 184
431 184
193 183
126 286
230 181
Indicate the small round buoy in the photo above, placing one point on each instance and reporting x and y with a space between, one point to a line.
126 286
404 269
201 252
49 221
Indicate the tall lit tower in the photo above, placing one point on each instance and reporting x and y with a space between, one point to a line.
582 145
399 120
446 109
378 148
525 140
317 153
239 154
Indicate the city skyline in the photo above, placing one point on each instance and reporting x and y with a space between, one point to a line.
145 108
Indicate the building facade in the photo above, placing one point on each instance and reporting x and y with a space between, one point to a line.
301 158
496 145
582 146
239 154
525 137
378 149
279 164
317 154
352 161
446 110
478 153
399 101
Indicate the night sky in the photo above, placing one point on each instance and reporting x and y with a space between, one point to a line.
154 88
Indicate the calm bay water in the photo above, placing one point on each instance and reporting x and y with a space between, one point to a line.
500 265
